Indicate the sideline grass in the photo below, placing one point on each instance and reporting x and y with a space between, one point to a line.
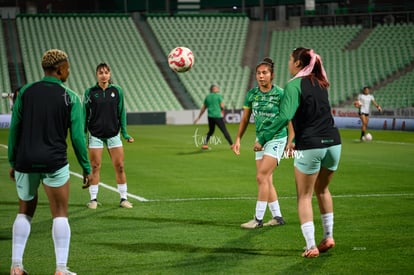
198 199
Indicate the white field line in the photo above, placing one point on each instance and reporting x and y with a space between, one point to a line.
142 199
138 198
392 142
280 197
385 142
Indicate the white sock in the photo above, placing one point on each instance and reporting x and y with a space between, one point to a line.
93 191
61 239
260 209
275 209
21 232
122 189
308 231
327 224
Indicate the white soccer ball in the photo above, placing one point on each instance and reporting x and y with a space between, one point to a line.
368 137
181 59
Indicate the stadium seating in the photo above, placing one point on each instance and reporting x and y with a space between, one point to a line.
386 50
5 85
111 39
329 42
217 44
397 94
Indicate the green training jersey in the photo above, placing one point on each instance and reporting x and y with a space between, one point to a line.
105 111
212 102
265 108
306 104
43 114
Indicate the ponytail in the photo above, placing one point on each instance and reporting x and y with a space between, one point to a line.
312 66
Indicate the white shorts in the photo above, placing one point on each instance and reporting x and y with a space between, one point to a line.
273 148
112 142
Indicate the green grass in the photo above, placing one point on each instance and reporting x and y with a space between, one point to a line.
197 201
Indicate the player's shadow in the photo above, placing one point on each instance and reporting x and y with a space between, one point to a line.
195 152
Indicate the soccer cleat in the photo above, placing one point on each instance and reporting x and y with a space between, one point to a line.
92 204
313 252
255 223
326 244
17 270
204 147
64 272
125 204
275 221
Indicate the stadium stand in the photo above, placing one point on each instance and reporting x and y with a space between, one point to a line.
398 94
387 49
217 43
5 84
90 40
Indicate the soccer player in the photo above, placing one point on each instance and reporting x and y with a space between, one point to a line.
317 142
215 106
364 103
105 120
43 113
263 102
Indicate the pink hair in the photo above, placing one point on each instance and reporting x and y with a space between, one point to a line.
308 69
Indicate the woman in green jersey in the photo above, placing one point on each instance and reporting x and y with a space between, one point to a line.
263 102
317 143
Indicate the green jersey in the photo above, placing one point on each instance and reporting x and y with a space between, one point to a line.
307 106
265 108
44 112
212 103
105 111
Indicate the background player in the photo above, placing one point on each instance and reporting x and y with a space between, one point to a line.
364 104
105 120
214 105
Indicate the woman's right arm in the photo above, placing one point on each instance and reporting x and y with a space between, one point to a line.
244 122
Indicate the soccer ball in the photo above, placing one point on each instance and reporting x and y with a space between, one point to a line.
181 59
368 137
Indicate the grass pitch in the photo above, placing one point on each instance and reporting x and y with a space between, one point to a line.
189 204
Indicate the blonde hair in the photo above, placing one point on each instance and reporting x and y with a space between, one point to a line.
52 58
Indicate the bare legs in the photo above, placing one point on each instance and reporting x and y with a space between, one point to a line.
117 158
264 177
306 184
364 124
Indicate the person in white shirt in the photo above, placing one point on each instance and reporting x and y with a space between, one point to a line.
364 103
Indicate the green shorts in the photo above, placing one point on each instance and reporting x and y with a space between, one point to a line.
310 161
273 148
28 183
95 142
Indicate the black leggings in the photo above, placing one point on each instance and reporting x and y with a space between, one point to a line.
212 122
